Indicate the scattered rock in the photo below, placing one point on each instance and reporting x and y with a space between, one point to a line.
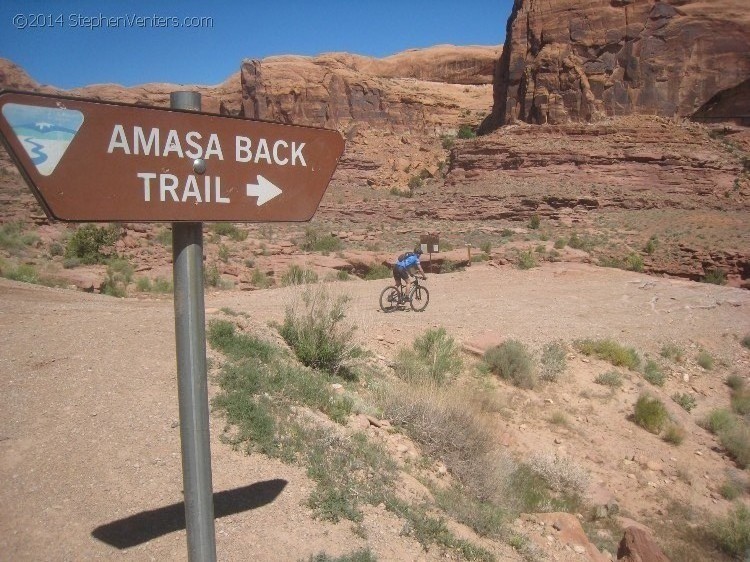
637 545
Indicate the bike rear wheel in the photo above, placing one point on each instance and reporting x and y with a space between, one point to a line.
389 299
419 297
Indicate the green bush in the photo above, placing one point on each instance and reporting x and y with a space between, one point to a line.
673 352
511 361
448 141
526 260
653 373
685 400
222 336
554 361
229 230
719 420
24 272
741 401
674 434
715 277
735 382
534 222
612 379
650 413
732 533
705 360
434 357
378 271
297 275
611 351
315 330
119 275
634 262
362 555
316 242
260 279
466 131
746 341
651 245
92 244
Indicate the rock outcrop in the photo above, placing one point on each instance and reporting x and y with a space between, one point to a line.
569 61
418 91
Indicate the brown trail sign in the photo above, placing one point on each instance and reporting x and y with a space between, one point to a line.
93 161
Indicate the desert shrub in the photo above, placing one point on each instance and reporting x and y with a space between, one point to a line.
736 440
466 131
718 420
651 245
731 489
740 401
705 360
92 244
56 249
560 473
554 361
653 373
229 230
686 401
259 279
223 253
362 555
746 341
732 533
611 351
24 272
715 277
164 236
415 182
118 277
433 358
634 262
526 260
735 382
316 242
448 141
378 271
486 247
534 222
297 275
673 352
612 379
650 413
212 276
447 428
560 243
511 361
223 336
314 328
674 434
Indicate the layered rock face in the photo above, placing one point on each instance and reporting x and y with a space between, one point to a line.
568 61
416 91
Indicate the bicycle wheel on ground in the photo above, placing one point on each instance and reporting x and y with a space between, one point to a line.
389 299
418 298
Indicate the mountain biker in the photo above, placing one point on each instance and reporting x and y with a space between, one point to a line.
404 268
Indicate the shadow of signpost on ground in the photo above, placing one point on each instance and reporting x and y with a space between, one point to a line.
148 525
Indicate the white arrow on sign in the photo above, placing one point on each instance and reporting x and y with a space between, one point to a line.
264 190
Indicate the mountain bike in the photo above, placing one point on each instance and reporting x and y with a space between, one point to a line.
418 297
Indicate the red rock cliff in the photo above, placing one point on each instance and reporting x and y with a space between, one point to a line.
567 61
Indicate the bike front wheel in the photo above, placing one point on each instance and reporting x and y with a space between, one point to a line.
389 299
419 297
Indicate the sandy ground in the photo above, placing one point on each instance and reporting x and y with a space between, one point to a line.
89 416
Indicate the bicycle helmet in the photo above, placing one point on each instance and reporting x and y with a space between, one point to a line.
418 250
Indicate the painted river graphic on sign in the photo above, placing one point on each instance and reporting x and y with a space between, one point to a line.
45 132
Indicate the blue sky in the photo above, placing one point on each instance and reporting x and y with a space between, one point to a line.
70 43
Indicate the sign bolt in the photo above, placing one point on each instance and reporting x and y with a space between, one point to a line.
199 166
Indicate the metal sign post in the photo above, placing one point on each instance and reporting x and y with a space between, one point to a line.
192 383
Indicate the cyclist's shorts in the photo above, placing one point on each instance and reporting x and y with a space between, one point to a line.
399 273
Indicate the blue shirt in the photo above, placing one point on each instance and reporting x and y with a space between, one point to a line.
412 260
